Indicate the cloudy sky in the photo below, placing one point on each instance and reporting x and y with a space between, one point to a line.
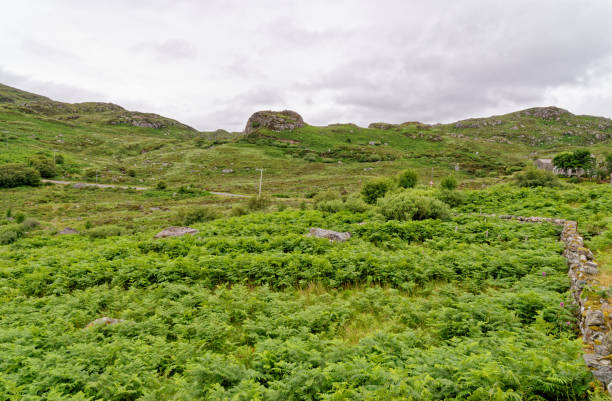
211 63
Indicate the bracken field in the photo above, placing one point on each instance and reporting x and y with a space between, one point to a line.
434 296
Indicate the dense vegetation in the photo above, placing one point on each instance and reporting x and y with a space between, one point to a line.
431 298
252 309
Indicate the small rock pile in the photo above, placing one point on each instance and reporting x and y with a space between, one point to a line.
329 234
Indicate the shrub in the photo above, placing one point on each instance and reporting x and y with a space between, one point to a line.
408 178
15 175
407 206
90 173
59 159
197 215
281 207
161 185
10 233
131 173
238 210
19 218
326 196
105 231
532 178
375 189
331 206
43 165
449 183
355 205
30 224
258 203
452 198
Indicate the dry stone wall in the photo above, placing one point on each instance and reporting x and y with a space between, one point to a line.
594 312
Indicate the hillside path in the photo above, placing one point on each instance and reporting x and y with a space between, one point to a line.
91 184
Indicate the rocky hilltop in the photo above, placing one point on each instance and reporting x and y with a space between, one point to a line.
88 112
274 120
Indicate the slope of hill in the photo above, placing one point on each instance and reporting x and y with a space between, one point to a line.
111 141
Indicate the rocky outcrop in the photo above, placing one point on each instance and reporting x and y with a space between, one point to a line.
329 234
176 232
384 126
274 121
546 113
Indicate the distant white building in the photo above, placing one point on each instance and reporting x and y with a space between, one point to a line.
547 164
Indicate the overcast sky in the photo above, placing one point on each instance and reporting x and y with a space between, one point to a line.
212 63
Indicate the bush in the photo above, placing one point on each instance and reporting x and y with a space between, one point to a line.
408 178
30 224
326 196
131 173
105 231
258 203
375 189
59 159
449 183
90 173
331 206
355 205
44 166
161 185
532 178
15 175
407 206
19 218
196 215
238 210
10 233
452 198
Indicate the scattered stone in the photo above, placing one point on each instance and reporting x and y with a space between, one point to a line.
329 234
68 231
79 185
227 171
104 321
176 232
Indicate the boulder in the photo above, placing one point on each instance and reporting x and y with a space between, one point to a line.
103 321
68 231
227 171
329 234
274 120
176 232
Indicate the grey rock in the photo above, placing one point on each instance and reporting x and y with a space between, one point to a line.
329 234
274 120
68 231
594 318
227 171
176 232
103 321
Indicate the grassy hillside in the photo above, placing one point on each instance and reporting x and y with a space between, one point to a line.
106 138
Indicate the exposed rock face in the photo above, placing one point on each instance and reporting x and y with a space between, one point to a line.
104 321
329 234
68 231
546 113
385 126
274 120
176 232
